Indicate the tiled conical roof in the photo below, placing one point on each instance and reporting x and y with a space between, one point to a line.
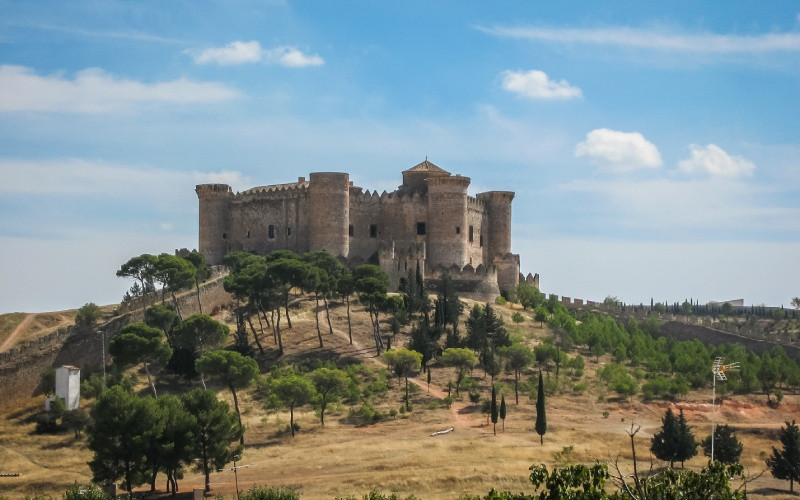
427 166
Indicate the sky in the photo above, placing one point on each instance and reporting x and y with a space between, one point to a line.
654 148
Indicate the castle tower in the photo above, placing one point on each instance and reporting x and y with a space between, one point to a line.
329 212
498 251
498 210
447 220
214 206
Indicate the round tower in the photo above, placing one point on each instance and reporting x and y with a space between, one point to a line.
498 211
447 221
329 212
214 207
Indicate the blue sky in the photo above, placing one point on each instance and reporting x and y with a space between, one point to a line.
654 149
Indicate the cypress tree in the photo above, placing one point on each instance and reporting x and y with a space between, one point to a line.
503 411
541 418
493 411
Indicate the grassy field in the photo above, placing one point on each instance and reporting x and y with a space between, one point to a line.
398 454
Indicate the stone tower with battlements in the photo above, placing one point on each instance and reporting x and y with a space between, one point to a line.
430 221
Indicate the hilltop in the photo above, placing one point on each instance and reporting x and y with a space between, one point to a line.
587 421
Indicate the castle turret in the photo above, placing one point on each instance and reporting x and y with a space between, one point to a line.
214 202
498 241
329 212
447 220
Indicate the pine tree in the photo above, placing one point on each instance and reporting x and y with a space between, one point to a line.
503 411
541 418
785 464
666 443
688 445
494 411
727 449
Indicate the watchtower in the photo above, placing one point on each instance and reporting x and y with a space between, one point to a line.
214 203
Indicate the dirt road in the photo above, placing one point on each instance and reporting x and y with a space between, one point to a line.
12 339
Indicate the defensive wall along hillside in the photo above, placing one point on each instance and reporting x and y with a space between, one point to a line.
21 367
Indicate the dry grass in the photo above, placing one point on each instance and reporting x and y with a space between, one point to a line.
398 454
8 323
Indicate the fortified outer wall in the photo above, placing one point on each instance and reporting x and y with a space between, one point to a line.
471 283
21 367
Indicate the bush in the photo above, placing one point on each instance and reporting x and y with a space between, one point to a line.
474 396
46 423
500 301
88 491
75 420
517 317
88 314
261 493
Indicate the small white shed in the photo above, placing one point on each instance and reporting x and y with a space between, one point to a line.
68 386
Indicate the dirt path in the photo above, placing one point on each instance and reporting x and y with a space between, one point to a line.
12 339
457 408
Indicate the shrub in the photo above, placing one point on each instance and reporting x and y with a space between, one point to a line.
88 314
500 301
517 317
88 491
261 493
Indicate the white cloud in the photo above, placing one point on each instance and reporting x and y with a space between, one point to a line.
77 177
293 58
657 39
714 161
252 52
535 84
619 151
233 53
95 91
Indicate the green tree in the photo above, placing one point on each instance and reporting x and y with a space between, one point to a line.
462 359
727 448
201 272
87 316
529 296
346 287
785 463
293 390
138 343
666 443
688 444
123 425
141 269
404 362
89 491
199 333
494 411
174 274
503 410
176 443
518 358
329 384
447 310
541 418
163 318
215 428
236 370
75 420
371 284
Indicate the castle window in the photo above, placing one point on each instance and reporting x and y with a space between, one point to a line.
471 234
458 229
224 236
373 230
421 228
248 234
481 240
288 231
271 232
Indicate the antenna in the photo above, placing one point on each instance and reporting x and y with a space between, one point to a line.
718 370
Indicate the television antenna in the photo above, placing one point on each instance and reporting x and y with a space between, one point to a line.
718 370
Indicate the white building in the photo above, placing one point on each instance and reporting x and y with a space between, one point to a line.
68 387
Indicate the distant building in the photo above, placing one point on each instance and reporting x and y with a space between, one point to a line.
429 221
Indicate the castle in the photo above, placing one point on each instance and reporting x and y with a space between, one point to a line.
429 221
